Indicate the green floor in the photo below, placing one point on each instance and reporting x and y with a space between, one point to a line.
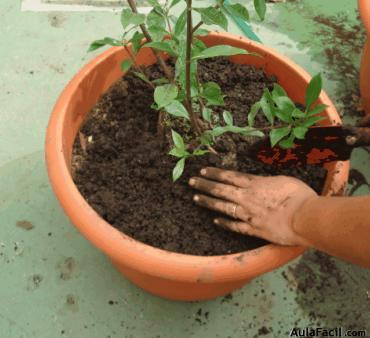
53 283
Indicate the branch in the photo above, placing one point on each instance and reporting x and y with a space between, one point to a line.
137 67
160 60
189 38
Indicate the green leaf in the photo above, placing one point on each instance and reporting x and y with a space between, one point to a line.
201 32
163 95
297 113
252 114
173 18
212 16
317 110
267 106
174 3
286 107
278 91
154 19
164 46
206 139
284 103
126 65
288 142
130 18
200 152
160 81
180 63
212 93
284 116
177 140
206 114
260 7
180 24
159 10
312 120
220 50
277 134
157 32
157 6
136 41
238 10
106 41
178 152
218 131
154 3
300 132
177 109
228 118
198 46
178 170
313 90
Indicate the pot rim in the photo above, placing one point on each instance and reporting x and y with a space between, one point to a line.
123 249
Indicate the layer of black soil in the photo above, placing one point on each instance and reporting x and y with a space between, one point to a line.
125 174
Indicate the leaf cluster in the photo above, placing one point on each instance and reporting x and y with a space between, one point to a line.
168 35
288 121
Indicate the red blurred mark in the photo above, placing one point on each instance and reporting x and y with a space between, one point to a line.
265 159
317 155
269 159
331 138
289 156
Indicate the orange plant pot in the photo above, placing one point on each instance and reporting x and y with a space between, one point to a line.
167 274
364 8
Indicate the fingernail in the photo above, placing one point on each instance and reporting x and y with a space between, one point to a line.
192 181
196 198
203 171
216 221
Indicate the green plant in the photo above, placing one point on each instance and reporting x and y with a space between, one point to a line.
181 95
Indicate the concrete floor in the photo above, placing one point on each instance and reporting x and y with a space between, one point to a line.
55 284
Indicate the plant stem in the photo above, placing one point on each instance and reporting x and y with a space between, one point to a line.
137 67
160 126
201 103
168 23
160 60
189 39
270 128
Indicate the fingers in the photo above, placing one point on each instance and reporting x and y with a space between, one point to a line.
227 208
227 192
236 226
227 176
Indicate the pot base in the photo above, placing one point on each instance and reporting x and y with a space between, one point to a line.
176 290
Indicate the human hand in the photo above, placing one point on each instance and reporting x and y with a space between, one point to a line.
258 206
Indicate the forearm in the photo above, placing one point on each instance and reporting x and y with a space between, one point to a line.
339 226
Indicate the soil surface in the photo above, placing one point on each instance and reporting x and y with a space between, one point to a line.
124 172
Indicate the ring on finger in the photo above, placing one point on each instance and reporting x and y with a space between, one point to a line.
233 213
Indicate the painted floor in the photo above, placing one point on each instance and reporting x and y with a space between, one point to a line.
53 283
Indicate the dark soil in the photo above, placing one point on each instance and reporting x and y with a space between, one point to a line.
125 174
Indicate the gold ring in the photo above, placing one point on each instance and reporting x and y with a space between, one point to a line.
234 210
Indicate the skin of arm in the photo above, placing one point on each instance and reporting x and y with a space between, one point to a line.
286 211
339 226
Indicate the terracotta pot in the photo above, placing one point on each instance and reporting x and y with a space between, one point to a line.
170 275
364 7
